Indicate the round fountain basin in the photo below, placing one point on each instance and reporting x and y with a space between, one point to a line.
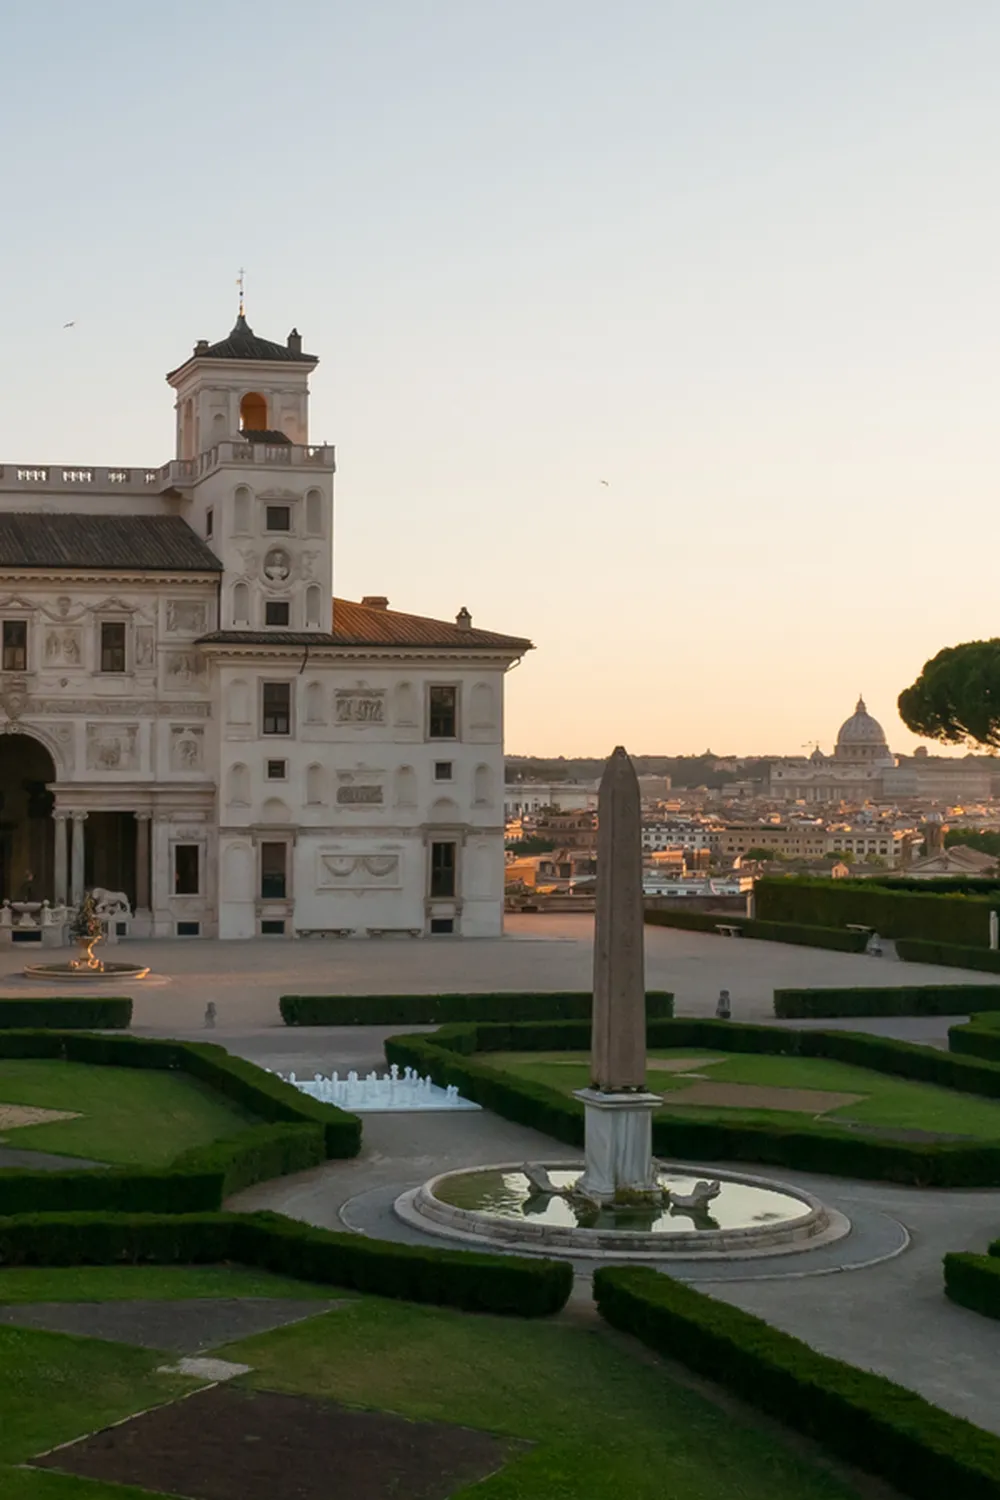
64 970
750 1216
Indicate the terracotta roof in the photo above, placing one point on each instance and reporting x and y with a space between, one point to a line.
57 539
243 343
365 625
268 638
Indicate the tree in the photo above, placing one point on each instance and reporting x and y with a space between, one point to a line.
760 852
531 846
974 838
877 860
956 698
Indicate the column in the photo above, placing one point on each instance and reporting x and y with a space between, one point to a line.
76 873
59 894
142 821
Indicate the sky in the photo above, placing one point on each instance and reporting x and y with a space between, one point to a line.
664 334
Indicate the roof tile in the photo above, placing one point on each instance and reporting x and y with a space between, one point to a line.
107 543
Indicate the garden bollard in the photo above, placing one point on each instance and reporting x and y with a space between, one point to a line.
723 1009
210 1015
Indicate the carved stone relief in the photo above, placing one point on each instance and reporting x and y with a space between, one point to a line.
187 617
62 647
360 705
362 787
184 668
362 871
144 646
112 747
187 745
147 708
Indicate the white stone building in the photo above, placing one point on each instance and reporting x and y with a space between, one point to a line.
183 722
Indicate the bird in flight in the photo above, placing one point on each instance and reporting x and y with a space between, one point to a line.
71 324
605 483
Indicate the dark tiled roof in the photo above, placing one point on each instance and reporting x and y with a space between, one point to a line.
55 539
243 343
363 625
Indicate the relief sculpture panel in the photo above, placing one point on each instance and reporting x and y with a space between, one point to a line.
62 647
363 787
360 706
362 870
187 744
187 617
112 747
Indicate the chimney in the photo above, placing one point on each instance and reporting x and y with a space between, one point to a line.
463 619
201 347
295 341
375 601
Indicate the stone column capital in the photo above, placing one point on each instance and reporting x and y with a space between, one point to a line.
142 817
60 814
79 817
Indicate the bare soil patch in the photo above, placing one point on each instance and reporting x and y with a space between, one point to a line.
14 1115
681 1064
757 1096
230 1443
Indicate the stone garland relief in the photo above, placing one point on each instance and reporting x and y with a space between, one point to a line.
112 747
363 871
360 705
187 743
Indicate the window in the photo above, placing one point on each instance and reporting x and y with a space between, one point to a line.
209 521
189 929
442 925
442 770
277 708
277 518
113 646
276 770
443 713
270 927
276 612
15 645
186 870
443 869
273 879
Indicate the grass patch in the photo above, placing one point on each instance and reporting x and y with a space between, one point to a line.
129 1116
56 1388
889 1103
134 1283
605 1422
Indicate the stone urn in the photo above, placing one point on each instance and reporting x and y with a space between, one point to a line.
86 958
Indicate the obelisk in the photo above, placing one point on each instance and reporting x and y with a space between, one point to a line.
619 1156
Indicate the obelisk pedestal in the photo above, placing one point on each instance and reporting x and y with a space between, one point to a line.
619 1126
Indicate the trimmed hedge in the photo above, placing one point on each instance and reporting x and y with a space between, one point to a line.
899 1000
449 1057
79 1012
505 1284
952 955
893 910
769 932
434 1010
974 1281
859 1416
976 1038
296 1132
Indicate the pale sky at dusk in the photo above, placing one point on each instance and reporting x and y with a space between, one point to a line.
738 258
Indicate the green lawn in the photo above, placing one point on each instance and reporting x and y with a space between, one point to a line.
55 1388
892 1103
129 1116
163 1283
606 1419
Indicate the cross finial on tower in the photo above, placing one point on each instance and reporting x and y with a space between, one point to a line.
240 282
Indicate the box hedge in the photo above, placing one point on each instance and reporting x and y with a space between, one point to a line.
895 1000
296 1132
974 1282
893 909
505 1284
433 1010
857 1415
79 1012
770 932
951 955
977 1038
449 1056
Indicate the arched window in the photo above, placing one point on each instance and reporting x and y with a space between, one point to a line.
241 604
314 513
253 412
241 510
313 604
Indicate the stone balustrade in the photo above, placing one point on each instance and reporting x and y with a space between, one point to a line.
177 474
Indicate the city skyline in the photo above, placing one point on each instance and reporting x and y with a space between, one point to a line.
667 340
